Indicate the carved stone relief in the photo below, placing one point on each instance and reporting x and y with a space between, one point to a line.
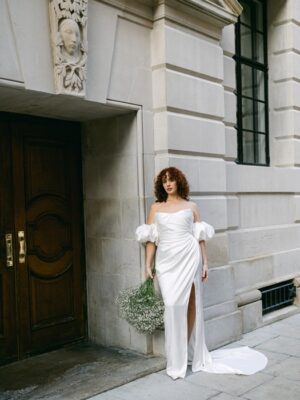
68 23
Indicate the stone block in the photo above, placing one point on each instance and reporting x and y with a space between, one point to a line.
158 44
9 67
127 176
101 177
149 174
131 75
228 39
212 210
204 174
148 132
284 123
251 316
297 297
285 66
93 251
263 209
159 89
159 343
229 81
286 263
111 260
186 51
211 293
249 243
284 37
223 329
230 143
35 61
127 134
194 95
230 107
217 310
245 178
182 133
217 250
102 29
287 95
103 218
233 219
252 273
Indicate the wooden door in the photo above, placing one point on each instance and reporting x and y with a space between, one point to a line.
47 235
8 317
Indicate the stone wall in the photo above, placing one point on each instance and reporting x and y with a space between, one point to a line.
264 244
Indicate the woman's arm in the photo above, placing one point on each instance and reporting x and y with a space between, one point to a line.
150 247
202 245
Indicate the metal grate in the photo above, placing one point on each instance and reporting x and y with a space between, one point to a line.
277 296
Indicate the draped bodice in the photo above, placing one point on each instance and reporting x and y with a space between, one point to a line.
173 227
176 226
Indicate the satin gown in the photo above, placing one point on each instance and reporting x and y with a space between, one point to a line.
178 264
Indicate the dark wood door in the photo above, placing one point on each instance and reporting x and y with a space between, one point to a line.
49 286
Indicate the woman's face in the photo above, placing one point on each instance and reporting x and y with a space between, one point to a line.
169 185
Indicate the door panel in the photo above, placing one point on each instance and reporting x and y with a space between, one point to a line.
47 197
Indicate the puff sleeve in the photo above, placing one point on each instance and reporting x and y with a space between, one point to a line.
203 231
147 233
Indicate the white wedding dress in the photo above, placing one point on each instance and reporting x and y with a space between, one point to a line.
178 265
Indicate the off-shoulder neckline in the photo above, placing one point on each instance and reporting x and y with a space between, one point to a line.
175 212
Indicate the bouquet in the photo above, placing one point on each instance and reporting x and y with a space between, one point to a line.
142 308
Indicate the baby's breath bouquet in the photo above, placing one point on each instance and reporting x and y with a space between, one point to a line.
142 307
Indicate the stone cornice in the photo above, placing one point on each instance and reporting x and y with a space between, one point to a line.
226 11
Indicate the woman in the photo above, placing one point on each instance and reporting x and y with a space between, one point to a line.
175 236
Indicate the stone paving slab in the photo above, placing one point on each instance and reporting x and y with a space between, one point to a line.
236 385
253 339
159 387
289 368
276 389
279 341
225 396
282 344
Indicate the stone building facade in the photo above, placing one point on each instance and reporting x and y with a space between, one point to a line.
160 90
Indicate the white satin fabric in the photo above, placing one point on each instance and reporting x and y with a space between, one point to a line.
178 265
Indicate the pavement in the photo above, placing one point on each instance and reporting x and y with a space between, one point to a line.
280 380
74 372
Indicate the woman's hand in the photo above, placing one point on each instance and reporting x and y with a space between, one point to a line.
204 272
149 273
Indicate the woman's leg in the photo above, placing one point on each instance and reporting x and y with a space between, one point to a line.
191 311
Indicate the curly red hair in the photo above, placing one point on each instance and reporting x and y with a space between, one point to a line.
175 174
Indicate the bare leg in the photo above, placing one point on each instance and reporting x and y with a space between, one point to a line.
191 311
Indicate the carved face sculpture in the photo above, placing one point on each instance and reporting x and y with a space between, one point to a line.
70 35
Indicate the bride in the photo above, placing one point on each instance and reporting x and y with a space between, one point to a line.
175 237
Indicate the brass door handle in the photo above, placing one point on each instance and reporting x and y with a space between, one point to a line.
9 250
22 244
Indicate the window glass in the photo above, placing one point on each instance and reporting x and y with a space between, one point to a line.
252 78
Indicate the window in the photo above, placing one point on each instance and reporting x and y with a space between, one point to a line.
252 84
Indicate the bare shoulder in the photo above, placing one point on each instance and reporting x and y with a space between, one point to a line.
153 209
194 206
154 206
196 211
